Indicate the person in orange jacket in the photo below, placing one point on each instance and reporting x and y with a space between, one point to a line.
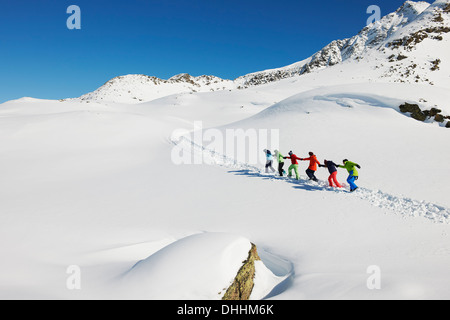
313 162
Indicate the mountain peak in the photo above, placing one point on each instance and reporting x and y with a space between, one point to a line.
184 77
412 8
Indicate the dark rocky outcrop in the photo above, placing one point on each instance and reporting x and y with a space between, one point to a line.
410 41
242 286
415 111
439 118
422 115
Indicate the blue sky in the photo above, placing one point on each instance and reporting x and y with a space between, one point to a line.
40 57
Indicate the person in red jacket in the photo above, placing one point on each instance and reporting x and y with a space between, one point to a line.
313 162
294 165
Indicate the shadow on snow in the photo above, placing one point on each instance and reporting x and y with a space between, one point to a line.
302 183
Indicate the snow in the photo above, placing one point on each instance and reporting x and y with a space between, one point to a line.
199 266
273 275
94 185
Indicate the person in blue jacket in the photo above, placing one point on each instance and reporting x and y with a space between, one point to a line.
269 161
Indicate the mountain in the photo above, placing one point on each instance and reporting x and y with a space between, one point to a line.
134 88
408 45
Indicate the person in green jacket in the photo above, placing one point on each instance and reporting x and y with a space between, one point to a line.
280 160
352 173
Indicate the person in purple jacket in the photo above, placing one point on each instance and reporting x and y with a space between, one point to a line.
333 172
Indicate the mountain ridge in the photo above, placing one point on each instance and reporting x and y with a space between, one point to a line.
407 45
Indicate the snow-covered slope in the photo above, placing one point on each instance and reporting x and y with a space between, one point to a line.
94 186
339 117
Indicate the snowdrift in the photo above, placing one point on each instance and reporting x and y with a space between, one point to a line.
201 266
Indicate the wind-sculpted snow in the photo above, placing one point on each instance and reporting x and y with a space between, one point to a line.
210 261
397 204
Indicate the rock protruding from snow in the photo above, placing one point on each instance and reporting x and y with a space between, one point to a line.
327 57
203 266
272 75
242 286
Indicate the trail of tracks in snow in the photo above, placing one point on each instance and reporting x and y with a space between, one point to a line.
399 205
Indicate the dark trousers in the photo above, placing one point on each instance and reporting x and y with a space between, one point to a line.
311 175
280 168
269 165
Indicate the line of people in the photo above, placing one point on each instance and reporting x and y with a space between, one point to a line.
312 168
